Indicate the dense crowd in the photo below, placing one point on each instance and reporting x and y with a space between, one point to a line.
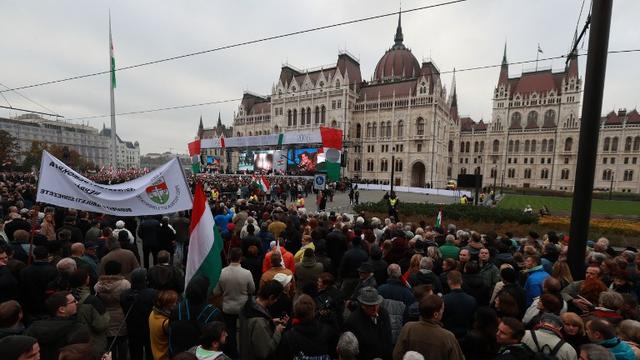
300 285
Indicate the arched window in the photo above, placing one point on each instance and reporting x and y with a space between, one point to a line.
476 171
476 147
627 143
549 118
337 84
276 129
450 145
323 114
481 146
614 144
389 129
289 123
303 114
317 115
398 165
384 165
527 173
550 145
564 174
295 117
368 130
308 116
461 146
463 171
533 146
334 124
420 126
516 147
607 142
544 146
496 146
532 119
526 145
374 130
400 131
358 131
606 174
250 133
568 144
636 143
628 175
467 147
516 120
510 146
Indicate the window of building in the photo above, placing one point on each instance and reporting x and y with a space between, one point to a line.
384 165
526 145
510 146
419 147
606 174
544 174
606 144
374 130
628 175
636 143
420 126
627 143
543 147
634 160
370 165
398 165
526 160
323 115
358 131
533 146
550 145
604 160
532 119
516 120
568 144
626 160
564 174
527 173
614 144
511 173
613 161
400 131
496 146
566 160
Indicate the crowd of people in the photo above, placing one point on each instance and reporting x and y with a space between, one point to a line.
301 285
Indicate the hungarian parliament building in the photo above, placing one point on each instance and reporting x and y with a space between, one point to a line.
405 112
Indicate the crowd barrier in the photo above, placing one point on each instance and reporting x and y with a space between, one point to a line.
415 190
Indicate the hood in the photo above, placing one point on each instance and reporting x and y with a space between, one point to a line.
48 331
252 310
109 283
197 289
139 279
309 329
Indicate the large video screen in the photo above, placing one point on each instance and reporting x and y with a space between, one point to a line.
302 161
251 160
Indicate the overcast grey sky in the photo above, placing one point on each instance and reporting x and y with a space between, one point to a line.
48 40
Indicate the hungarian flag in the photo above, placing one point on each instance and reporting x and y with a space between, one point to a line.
262 182
222 142
112 58
332 151
195 164
194 147
205 242
439 219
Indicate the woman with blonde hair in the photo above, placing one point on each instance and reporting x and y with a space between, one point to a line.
159 323
573 330
562 272
414 267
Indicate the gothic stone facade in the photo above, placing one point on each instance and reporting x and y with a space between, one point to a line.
405 111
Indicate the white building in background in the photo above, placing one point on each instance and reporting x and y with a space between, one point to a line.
128 155
93 145
86 140
531 139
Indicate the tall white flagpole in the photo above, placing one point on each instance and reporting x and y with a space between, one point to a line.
112 85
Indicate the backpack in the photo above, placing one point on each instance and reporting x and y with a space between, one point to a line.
184 330
540 353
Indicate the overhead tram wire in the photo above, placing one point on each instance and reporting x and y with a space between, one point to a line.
483 67
55 113
244 43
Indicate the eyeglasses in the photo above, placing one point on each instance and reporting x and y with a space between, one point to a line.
74 301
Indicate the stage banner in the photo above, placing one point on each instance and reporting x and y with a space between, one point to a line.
279 162
161 191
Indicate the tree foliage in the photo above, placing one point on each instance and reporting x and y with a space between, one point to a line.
9 149
68 155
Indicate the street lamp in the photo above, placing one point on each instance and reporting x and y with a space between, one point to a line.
613 174
393 166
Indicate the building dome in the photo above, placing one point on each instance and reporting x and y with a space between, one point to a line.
398 62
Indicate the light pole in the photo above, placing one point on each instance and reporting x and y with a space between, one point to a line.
393 166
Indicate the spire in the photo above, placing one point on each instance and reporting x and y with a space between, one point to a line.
454 95
504 54
504 69
399 37
200 128
219 124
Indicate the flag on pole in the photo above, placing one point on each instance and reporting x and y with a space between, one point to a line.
263 183
439 220
222 142
195 164
332 150
194 147
113 59
205 242
540 49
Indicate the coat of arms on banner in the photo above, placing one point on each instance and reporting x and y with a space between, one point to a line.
158 192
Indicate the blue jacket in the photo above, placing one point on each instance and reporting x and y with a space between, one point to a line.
394 289
533 285
620 349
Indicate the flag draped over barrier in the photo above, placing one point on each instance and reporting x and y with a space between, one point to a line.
161 191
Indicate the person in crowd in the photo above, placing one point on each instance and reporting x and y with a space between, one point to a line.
149 232
125 258
91 310
236 286
159 323
260 333
573 330
603 333
595 352
629 332
19 347
348 347
458 306
535 277
11 319
286 258
351 264
427 336
138 302
61 328
488 270
480 342
211 341
570 293
8 282
547 338
329 301
509 338
425 275
308 337
164 275
34 280
276 268
371 324
307 272
109 288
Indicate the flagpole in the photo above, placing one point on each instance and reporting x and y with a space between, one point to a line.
537 56
114 145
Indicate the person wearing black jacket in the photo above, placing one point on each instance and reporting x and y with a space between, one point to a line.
149 232
309 337
139 298
459 306
34 280
8 283
371 324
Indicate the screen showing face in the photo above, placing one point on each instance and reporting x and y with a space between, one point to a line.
303 160
263 160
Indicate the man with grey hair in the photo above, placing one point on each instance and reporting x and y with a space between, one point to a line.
412 355
348 347
397 298
426 276
66 265
126 258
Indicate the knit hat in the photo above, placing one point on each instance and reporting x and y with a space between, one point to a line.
120 224
11 347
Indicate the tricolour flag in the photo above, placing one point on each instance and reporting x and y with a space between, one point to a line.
113 59
194 147
332 150
439 219
195 164
205 242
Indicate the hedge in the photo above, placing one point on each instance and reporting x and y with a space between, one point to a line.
453 212
596 194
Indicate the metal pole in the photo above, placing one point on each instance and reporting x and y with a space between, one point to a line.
393 167
589 131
